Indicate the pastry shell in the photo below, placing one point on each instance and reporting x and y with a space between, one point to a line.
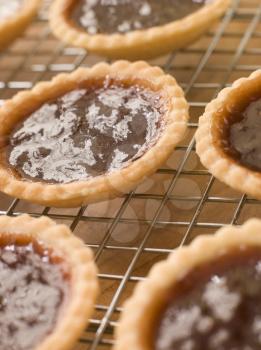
138 44
223 167
111 184
140 311
83 288
11 27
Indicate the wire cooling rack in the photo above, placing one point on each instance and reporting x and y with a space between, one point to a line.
182 200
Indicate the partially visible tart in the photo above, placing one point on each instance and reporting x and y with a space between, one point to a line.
15 15
90 135
133 29
48 285
229 136
204 296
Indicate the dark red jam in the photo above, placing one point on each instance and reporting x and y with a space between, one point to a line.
241 137
87 132
215 307
112 16
33 287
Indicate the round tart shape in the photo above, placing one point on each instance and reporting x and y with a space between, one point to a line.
48 284
228 137
15 15
204 296
90 135
139 29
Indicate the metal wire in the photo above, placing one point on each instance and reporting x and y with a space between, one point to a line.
181 200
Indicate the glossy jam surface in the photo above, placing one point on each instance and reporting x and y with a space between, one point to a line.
241 137
86 133
32 290
112 16
215 307
9 8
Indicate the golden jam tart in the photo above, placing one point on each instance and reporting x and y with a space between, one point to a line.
48 285
238 134
15 15
228 137
204 296
215 306
133 29
90 135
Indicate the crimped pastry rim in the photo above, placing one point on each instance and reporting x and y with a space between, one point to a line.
84 287
176 31
222 167
134 321
109 185
12 25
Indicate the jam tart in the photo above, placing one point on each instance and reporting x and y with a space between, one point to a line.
90 135
139 29
228 137
15 15
48 285
204 296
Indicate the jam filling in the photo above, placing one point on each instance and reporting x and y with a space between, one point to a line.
241 133
215 307
32 290
112 16
86 133
8 8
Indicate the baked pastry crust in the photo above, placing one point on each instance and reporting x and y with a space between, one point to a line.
138 44
141 309
223 167
112 184
11 27
84 286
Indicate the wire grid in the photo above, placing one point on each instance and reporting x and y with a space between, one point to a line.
182 200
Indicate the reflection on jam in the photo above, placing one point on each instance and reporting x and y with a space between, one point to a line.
245 136
32 290
110 16
8 8
216 307
86 133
